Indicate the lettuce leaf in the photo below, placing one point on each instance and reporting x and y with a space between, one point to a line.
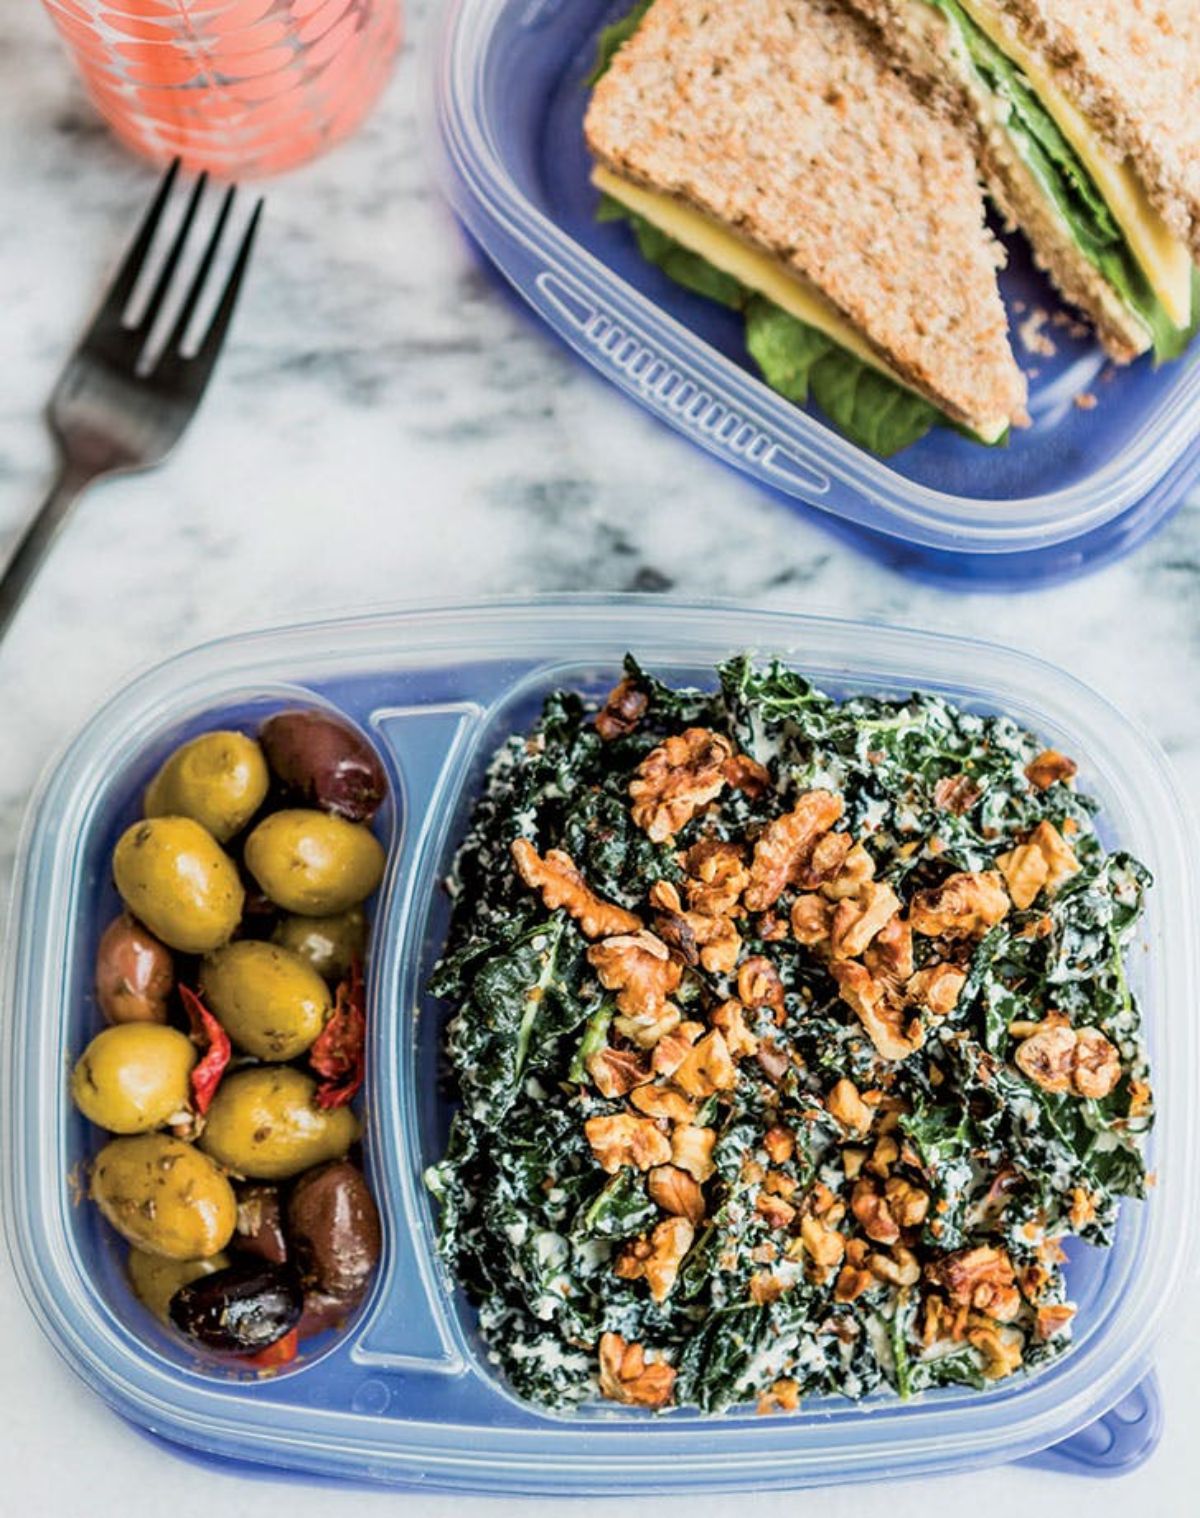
614 37
1065 180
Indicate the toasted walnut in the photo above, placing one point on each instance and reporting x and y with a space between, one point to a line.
676 1192
889 957
956 793
676 779
766 1287
1053 1318
707 1067
1025 872
673 1048
716 877
779 1184
782 1396
658 1257
1048 767
772 1061
857 920
899 1268
852 1281
1083 1208
660 1101
908 1203
783 846
672 925
812 919
1096 1067
1061 862
623 709
937 987
884 1155
746 774
617 1071
561 885
693 937
759 984
965 905
825 861
691 1150
873 1213
622 1139
639 968
885 1024
627 1376
649 1029
846 1105
982 1278
824 1245
720 943
857 868
780 1144
728 1017
777 1212
1001 1351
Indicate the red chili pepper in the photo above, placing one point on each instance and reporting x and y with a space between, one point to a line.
339 1052
208 1033
282 1352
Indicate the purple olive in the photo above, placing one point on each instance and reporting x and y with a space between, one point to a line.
134 974
323 1311
333 1225
324 762
243 1308
260 1224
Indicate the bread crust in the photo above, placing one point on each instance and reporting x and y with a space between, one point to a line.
780 120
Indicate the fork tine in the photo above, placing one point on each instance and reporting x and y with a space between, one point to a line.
117 296
207 352
163 283
179 331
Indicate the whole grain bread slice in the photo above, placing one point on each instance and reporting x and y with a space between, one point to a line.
919 37
779 120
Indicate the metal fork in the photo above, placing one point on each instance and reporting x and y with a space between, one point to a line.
106 414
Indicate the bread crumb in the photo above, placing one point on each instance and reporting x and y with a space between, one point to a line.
1033 338
1086 401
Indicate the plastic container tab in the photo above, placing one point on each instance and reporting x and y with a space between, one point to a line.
406 1394
1079 487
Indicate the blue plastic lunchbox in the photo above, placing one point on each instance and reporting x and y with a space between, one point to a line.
1078 489
405 1393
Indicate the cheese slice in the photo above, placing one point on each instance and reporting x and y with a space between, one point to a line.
1164 258
757 271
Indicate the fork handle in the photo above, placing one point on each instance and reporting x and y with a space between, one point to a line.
26 559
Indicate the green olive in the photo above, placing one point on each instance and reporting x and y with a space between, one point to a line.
164 1196
219 780
329 944
264 1124
312 863
133 1077
156 1280
271 1002
175 877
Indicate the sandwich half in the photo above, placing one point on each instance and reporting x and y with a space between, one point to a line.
1086 121
767 154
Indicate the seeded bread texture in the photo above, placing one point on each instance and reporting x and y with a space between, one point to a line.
779 120
921 40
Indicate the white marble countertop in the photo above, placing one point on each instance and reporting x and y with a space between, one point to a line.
387 424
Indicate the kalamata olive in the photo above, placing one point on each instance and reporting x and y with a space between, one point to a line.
323 1311
334 1227
260 1224
242 1308
324 762
156 1279
134 973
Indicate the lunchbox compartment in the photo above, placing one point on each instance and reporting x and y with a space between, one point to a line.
406 1393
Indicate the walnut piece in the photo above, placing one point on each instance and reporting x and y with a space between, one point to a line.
695 937
1048 767
673 1048
857 868
561 885
676 779
623 709
783 846
1026 871
909 1205
885 1024
825 861
937 987
874 1213
676 1192
658 1257
1001 1350
1060 1058
780 1144
812 920
1096 1068
956 794
627 1376
759 984
660 1101
965 905
777 1212
617 1071
846 1105
739 1040
1061 862
639 968
716 877
889 956
691 1150
622 1139
824 1246
746 774
982 1278
857 920
707 1067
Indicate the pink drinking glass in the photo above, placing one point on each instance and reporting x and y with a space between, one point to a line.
238 87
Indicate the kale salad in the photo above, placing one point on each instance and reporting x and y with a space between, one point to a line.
792 1037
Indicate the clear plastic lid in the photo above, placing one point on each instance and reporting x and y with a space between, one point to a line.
406 1394
1111 450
